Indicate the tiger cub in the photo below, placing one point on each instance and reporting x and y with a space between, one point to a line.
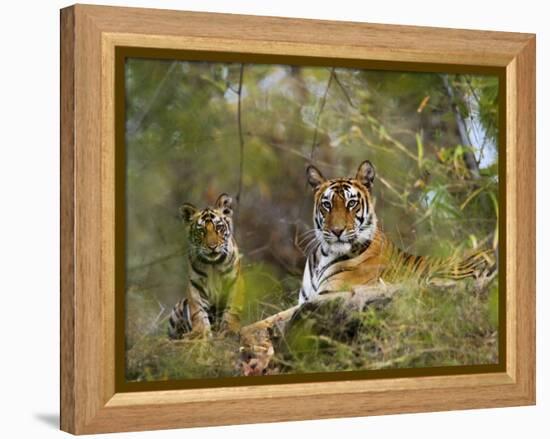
214 295
351 249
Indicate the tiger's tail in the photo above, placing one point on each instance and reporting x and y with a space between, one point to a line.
477 265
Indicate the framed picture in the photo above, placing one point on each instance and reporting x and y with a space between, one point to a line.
254 208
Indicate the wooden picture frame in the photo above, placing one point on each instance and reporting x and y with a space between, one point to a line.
90 36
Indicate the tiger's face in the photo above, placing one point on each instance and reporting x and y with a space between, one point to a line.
211 229
343 213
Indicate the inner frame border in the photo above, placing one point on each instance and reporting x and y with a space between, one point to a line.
124 52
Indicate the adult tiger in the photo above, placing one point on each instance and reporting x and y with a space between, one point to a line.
351 249
214 294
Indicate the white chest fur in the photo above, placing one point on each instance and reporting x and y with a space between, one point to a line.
313 274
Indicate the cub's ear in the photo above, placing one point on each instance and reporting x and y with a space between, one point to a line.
314 177
366 174
225 203
187 211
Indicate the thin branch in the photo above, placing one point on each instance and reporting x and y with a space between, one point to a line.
241 139
319 112
230 87
386 135
344 91
469 156
314 142
468 81
489 122
297 153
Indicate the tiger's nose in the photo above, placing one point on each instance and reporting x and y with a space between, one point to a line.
212 245
337 231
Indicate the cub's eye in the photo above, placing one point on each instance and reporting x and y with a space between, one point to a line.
219 228
326 205
352 204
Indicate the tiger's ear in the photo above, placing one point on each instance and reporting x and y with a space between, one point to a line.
314 177
187 211
225 204
366 174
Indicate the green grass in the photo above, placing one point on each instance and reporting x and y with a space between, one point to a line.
157 358
419 327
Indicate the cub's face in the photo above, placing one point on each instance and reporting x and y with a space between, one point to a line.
343 212
210 230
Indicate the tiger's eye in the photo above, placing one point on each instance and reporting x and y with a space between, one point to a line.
326 205
352 204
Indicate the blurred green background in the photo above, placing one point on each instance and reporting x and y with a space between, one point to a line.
196 129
